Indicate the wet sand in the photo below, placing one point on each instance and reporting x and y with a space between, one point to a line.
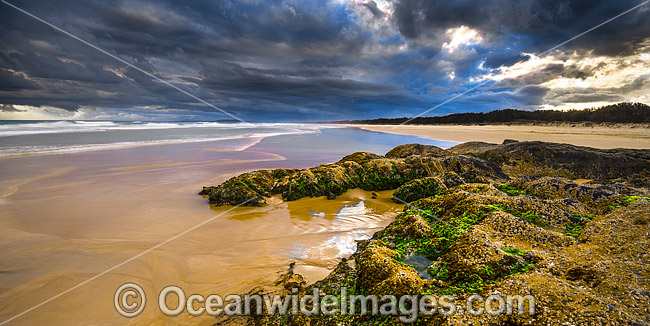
66 218
591 135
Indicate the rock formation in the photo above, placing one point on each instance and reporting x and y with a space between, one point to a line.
486 218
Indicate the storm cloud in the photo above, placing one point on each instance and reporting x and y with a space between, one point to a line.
319 60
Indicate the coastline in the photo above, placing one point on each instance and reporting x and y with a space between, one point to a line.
603 136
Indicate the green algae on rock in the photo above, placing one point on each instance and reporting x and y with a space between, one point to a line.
581 250
363 170
419 188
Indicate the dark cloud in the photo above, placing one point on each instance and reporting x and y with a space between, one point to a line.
536 24
9 108
227 49
50 67
15 82
572 96
298 59
372 6
592 97
496 59
531 95
235 78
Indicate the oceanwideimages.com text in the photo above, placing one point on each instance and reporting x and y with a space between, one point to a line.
130 301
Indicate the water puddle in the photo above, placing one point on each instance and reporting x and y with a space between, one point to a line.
420 263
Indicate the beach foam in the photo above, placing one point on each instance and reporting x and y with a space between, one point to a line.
13 128
58 137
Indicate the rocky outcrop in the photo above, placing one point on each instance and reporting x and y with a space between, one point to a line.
249 188
581 250
419 188
378 273
631 166
598 197
403 151
363 170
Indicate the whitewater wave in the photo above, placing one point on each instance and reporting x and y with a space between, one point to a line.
48 127
63 149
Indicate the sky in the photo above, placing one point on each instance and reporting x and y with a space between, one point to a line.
317 60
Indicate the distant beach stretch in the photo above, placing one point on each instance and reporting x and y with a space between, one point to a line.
595 135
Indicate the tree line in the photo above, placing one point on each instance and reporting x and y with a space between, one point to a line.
625 112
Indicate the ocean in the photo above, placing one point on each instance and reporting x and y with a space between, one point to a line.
48 137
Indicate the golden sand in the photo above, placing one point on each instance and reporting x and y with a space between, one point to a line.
65 219
591 135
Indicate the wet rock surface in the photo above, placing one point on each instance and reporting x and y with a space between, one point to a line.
403 151
629 166
418 189
363 170
582 250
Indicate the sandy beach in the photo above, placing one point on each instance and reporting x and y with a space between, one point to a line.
71 213
592 135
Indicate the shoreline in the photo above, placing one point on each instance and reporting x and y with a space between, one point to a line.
603 136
